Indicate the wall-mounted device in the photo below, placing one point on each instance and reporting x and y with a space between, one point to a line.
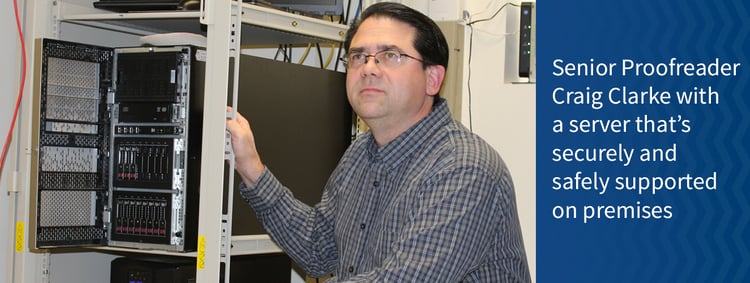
527 42
117 142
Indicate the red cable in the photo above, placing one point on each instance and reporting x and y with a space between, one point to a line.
20 91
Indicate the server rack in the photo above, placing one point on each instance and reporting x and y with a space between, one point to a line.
117 146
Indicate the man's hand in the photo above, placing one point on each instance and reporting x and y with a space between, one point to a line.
247 160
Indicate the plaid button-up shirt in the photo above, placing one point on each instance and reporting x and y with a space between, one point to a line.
436 204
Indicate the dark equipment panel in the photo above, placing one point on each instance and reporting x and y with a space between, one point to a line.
263 268
302 122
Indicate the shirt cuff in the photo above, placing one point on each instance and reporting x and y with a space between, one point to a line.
264 194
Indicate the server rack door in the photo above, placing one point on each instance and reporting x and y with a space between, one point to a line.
70 144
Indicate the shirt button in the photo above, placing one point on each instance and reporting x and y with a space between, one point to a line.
376 183
362 226
351 269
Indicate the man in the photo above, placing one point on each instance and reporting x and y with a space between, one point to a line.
418 198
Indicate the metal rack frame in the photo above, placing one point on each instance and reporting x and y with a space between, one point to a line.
228 25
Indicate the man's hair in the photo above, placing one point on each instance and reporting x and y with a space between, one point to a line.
429 40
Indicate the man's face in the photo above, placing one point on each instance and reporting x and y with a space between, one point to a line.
388 96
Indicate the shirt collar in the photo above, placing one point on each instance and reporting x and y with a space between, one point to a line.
409 141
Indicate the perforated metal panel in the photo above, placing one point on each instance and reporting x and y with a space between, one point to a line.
67 208
68 181
68 159
72 145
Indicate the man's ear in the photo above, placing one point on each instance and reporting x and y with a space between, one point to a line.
435 75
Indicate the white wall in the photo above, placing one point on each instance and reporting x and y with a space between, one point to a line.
503 111
9 78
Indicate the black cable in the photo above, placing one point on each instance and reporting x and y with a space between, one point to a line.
320 55
471 49
278 50
289 50
468 78
493 15
338 56
345 17
359 9
286 53
346 21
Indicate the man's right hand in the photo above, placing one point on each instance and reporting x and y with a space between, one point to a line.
247 160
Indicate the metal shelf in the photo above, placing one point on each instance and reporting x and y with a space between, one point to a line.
241 245
261 25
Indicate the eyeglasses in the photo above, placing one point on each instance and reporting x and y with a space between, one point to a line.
383 58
